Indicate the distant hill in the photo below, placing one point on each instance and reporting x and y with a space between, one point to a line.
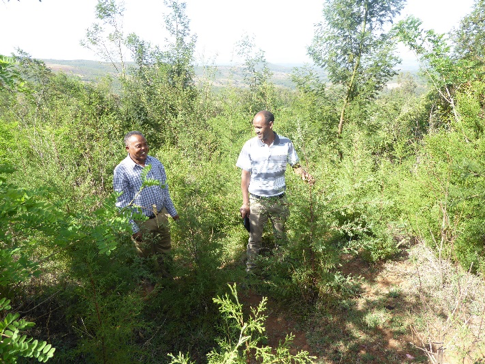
92 71
89 71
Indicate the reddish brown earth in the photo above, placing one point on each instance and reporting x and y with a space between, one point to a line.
341 336
278 324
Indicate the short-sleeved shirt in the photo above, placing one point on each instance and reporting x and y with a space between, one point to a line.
267 164
127 179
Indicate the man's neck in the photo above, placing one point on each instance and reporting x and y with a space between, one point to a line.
140 163
270 139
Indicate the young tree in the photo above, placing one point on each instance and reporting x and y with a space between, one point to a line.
469 38
181 44
105 37
447 72
256 74
355 49
162 91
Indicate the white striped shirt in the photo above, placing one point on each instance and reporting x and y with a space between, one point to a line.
267 164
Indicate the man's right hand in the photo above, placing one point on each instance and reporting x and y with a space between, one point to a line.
244 210
137 236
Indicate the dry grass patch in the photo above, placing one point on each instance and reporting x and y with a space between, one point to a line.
448 317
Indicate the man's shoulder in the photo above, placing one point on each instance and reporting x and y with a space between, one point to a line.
123 164
283 140
253 142
153 161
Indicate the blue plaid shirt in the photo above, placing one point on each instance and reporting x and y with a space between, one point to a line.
127 179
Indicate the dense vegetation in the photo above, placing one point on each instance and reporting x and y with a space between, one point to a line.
393 167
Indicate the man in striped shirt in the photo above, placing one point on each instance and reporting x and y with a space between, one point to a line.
151 237
263 161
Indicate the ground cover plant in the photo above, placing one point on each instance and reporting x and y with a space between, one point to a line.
385 259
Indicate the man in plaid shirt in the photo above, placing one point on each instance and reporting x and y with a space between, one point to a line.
151 237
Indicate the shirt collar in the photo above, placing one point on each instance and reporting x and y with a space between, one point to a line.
130 163
275 141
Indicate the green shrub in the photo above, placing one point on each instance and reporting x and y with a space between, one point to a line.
13 344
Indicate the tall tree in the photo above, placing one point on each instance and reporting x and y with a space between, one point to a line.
161 91
353 46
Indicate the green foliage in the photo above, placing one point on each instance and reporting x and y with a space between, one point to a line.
397 120
413 172
244 337
181 46
443 197
434 51
446 73
161 98
14 345
469 37
9 76
314 110
354 47
77 134
22 213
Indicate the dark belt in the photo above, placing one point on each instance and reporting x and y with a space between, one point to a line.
153 216
265 197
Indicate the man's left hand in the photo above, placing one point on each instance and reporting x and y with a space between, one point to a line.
307 177
244 211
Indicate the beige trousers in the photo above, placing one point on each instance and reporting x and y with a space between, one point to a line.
155 236
276 210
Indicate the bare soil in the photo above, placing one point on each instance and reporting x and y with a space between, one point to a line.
371 326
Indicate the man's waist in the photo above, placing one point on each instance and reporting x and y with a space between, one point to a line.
281 195
153 216
155 211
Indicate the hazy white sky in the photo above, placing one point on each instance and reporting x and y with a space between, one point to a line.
283 29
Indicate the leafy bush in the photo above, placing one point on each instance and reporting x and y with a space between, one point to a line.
14 345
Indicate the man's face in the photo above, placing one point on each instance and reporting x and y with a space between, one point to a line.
262 129
137 148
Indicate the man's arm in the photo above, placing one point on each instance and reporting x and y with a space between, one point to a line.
245 178
168 203
120 184
298 169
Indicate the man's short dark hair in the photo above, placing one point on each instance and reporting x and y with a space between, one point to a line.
130 134
268 116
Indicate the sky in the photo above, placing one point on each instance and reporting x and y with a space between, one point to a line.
52 29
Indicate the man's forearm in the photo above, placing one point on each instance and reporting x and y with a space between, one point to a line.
245 178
